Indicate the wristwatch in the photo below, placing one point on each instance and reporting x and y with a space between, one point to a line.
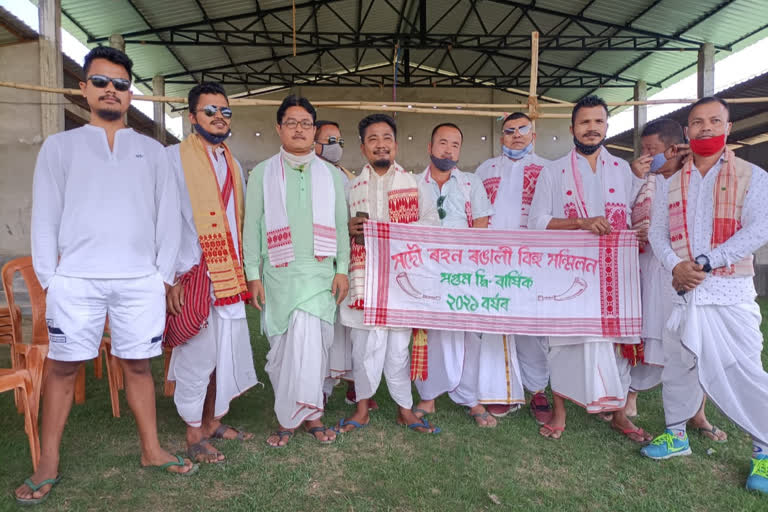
703 260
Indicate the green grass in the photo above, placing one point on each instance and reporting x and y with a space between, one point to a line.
384 467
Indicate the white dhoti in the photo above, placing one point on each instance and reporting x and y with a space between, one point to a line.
224 346
497 372
589 374
377 351
657 293
532 356
339 358
297 364
647 375
715 350
445 370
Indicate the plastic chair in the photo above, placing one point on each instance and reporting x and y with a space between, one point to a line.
20 381
19 349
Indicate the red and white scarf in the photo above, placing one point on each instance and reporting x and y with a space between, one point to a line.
465 187
492 182
614 191
641 212
279 239
403 204
730 191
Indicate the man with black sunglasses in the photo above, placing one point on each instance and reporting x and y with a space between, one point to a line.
105 234
215 365
510 180
461 202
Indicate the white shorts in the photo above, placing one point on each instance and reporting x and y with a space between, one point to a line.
76 310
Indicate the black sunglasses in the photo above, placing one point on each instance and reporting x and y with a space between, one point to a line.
210 111
440 210
101 81
333 140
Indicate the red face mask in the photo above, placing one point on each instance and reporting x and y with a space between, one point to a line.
708 147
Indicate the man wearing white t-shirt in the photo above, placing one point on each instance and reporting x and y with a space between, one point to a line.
102 195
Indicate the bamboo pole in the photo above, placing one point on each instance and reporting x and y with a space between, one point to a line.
532 101
424 108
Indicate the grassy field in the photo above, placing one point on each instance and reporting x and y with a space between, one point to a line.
384 467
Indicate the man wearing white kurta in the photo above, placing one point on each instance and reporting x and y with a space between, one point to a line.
461 202
705 227
296 246
216 365
587 189
655 280
509 363
105 233
386 193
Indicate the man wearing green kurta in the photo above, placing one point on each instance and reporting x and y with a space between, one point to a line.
296 252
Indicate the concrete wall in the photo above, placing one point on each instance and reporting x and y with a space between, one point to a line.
20 142
553 138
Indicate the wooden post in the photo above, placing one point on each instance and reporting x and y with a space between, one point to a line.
641 114
532 101
158 88
51 66
706 70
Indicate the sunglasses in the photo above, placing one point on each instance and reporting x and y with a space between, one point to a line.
101 81
333 140
291 124
522 130
440 210
210 111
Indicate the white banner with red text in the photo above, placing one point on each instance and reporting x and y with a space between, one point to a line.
545 283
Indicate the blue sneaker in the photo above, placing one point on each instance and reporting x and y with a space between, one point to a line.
758 476
667 445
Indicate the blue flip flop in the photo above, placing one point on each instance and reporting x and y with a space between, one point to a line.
343 422
36 487
424 424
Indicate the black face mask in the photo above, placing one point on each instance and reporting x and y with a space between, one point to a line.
444 164
382 164
109 115
586 149
210 137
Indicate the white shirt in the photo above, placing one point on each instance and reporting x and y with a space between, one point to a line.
716 290
455 200
101 214
508 205
190 251
548 202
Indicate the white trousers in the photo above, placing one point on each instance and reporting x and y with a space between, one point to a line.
532 357
715 350
497 372
378 351
297 364
591 375
224 346
339 358
445 369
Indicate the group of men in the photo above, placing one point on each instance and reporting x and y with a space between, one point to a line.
172 243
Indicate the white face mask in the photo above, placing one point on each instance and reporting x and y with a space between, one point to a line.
332 152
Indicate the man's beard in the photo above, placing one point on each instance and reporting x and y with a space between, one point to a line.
109 115
382 164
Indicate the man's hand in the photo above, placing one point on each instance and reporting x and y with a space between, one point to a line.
256 288
687 275
641 166
596 225
356 225
677 151
174 298
340 287
642 235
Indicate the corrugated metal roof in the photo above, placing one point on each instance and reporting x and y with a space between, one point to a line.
723 23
